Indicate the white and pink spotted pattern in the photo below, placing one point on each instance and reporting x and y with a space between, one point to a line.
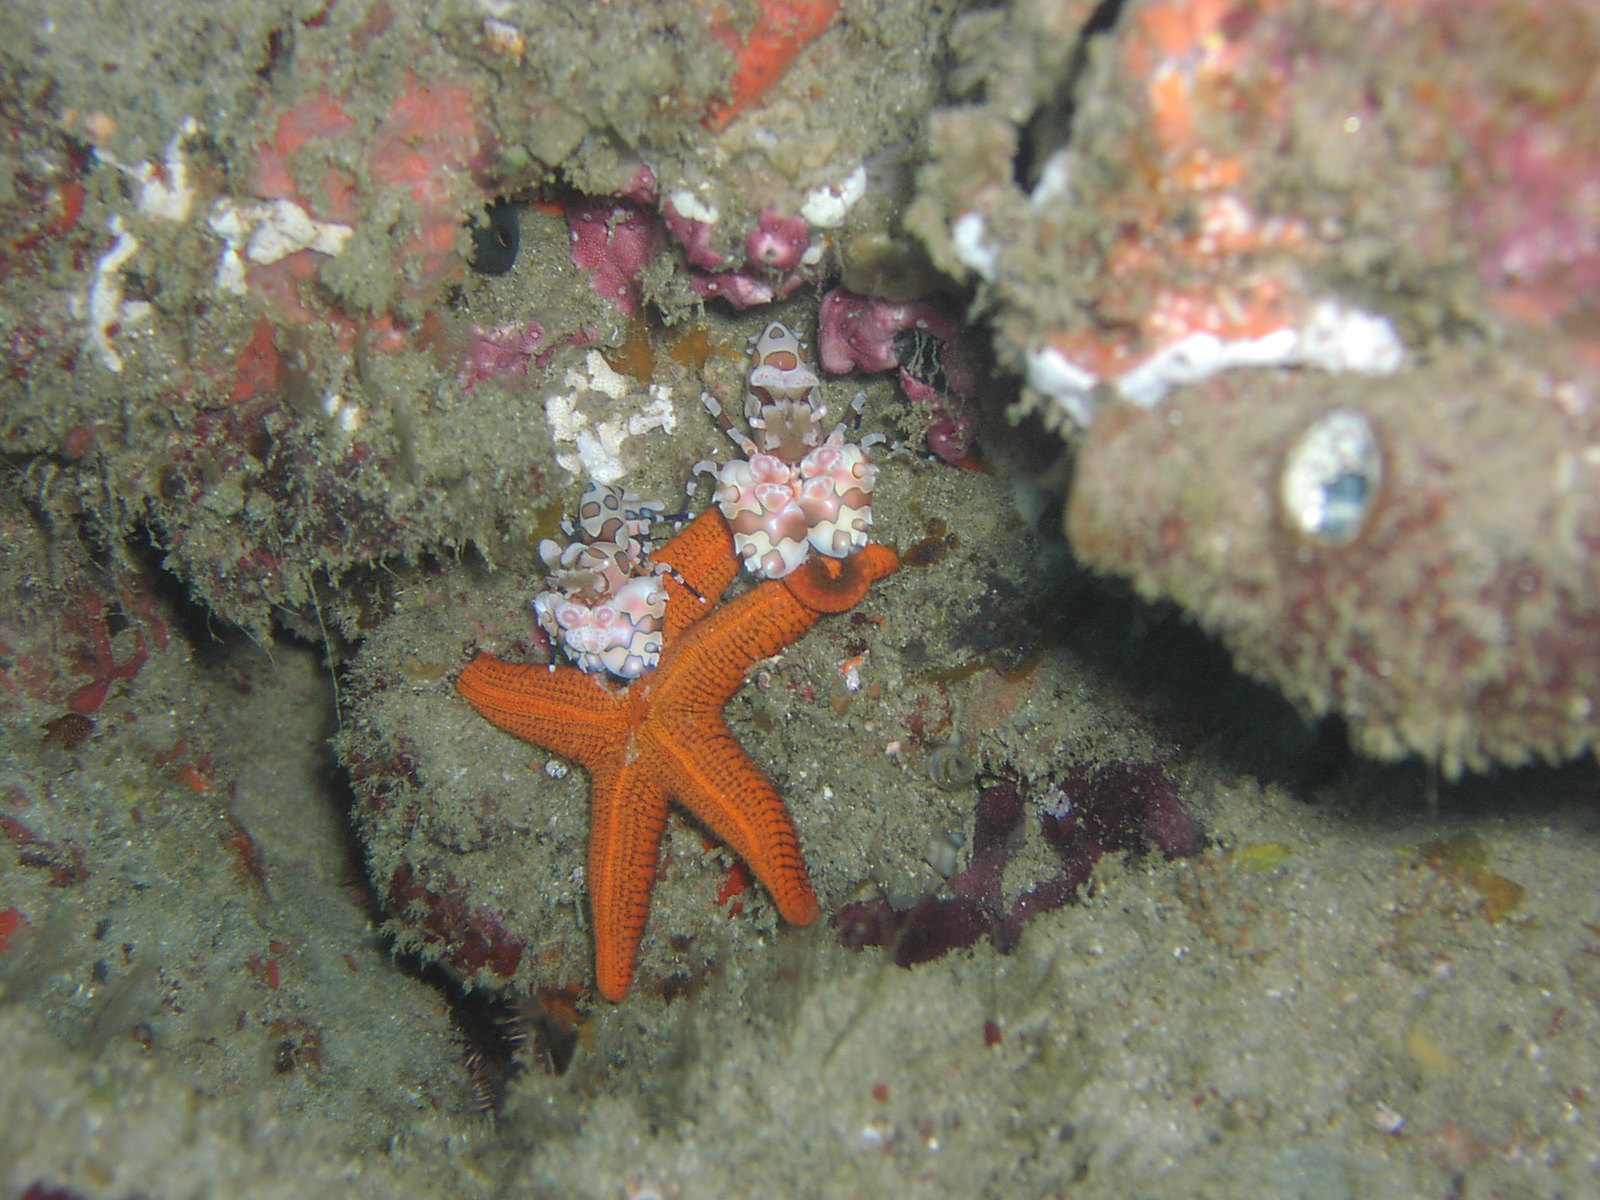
619 634
607 603
794 491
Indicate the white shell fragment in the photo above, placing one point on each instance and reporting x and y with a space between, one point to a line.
826 207
106 308
165 192
974 245
1053 374
1341 337
1197 358
694 208
1331 477
265 233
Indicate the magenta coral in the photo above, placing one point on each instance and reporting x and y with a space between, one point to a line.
694 236
857 332
773 253
641 187
777 241
937 366
614 240
742 289
499 353
951 430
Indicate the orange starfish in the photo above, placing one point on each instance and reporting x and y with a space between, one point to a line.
663 736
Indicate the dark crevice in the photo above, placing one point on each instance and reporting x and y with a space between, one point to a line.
1050 127
496 238
210 639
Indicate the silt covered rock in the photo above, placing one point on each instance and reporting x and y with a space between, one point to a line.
1418 554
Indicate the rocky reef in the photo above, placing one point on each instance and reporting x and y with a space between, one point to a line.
321 324
1215 228
1355 542
345 315
1132 200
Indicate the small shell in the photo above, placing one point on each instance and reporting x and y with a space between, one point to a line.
1331 477
503 38
951 768
943 852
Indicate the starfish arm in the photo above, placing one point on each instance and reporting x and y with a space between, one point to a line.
628 811
565 711
703 558
833 585
705 666
705 663
717 781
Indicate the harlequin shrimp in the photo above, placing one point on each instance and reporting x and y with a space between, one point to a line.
606 602
794 491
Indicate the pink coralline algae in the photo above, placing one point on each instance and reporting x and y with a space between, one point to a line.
1536 213
430 147
429 139
317 123
943 375
923 342
499 353
777 241
694 236
1122 807
857 332
614 239
744 288
641 187
772 269
740 289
